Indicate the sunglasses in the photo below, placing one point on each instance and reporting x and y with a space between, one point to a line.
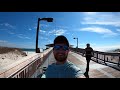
58 47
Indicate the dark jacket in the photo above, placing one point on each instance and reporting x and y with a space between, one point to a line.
89 51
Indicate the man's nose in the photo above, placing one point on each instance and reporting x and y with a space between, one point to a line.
61 50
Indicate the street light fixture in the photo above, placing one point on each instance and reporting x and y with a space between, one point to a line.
77 42
39 19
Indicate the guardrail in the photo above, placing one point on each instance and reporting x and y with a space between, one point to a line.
26 67
104 57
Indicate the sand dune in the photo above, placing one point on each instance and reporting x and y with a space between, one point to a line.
10 55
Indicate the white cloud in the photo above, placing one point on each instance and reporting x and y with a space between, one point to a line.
11 33
30 29
60 32
57 32
20 36
52 32
44 25
7 25
6 44
27 38
117 23
102 19
50 41
86 19
2 41
42 31
90 13
65 27
99 30
35 27
106 48
118 30
23 36
43 38
3 29
102 48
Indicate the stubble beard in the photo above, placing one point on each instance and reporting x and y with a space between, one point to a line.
61 58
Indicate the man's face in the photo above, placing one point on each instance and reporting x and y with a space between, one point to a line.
60 52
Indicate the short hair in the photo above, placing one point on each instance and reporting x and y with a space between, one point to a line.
88 44
61 39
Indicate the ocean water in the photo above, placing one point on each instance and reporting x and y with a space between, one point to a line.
28 50
31 50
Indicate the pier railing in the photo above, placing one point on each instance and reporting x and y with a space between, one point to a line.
26 67
102 57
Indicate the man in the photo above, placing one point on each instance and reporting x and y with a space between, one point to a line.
88 54
62 68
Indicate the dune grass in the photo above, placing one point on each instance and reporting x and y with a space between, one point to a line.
4 50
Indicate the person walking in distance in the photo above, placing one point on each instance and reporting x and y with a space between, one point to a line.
88 55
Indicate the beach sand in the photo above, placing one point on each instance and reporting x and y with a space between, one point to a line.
12 56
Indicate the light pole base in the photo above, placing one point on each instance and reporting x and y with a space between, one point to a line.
37 50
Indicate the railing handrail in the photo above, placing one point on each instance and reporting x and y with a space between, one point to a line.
97 53
100 52
16 66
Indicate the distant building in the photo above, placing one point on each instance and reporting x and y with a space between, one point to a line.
49 45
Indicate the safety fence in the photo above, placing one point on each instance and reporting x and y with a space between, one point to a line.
26 67
102 57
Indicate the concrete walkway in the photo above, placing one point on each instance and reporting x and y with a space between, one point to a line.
96 70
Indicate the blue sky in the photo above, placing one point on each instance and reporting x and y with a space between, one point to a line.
100 29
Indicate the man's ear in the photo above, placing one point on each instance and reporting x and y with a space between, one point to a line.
68 50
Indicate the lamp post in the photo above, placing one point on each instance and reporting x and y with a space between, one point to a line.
77 42
39 19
